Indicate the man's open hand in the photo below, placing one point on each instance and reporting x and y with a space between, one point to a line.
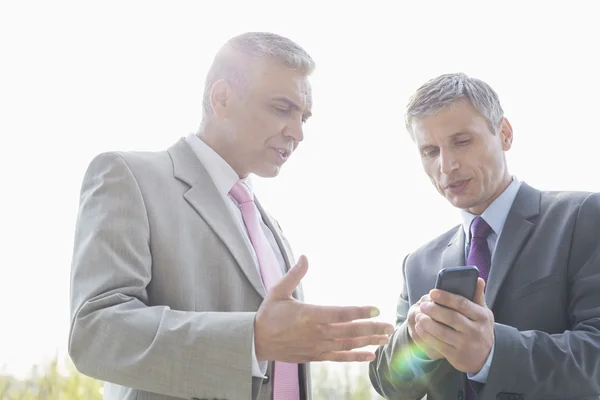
289 330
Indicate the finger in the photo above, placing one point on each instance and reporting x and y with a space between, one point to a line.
347 356
338 314
356 343
446 316
461 304
436 347
412 332
424 298
357 329
412 312
290 281
421 349
480 293
429 327
414 335
431 336
418 316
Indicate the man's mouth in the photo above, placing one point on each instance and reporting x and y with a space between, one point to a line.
284 153
455 184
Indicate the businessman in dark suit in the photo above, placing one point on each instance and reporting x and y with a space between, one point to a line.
533 329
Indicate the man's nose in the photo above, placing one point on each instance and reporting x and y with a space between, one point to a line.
295 131
448 162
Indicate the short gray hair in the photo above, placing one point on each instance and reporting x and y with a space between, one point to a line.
232 61
443 91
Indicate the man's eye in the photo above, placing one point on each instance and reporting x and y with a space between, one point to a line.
429 153
282 110
462 142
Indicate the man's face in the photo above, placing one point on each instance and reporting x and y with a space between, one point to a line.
463 159
264 123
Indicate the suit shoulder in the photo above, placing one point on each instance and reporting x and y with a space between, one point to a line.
585 205
566 196
134 161
568 201
435 245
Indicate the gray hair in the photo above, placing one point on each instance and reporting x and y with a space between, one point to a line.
232 61
443 91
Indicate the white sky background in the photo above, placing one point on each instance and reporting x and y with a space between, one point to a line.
79 78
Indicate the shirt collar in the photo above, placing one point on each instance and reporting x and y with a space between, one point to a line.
496 213
222 174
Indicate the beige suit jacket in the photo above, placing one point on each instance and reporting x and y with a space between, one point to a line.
164 290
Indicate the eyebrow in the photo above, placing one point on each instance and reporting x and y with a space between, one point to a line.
458 134
426 146
453 136
292 104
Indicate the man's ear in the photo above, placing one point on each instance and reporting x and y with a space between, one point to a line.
506 134
220 98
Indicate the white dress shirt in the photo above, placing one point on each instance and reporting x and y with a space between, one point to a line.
224 177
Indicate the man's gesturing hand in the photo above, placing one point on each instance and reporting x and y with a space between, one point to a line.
286 329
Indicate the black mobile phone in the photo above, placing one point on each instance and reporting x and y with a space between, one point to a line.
458 280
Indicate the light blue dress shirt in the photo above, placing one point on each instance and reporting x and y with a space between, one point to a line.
495 215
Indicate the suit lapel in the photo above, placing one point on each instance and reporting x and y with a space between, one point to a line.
206 200
272 226
287 256
515 233
454 254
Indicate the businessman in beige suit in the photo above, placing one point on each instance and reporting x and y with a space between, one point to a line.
182 285
535 331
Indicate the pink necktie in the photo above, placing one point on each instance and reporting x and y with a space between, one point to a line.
285 379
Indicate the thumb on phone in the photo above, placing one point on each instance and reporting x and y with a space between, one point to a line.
479 297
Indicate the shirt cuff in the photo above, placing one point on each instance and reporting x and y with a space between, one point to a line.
482 375
259 369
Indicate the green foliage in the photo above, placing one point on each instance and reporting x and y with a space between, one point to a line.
337 381
48 383
331 381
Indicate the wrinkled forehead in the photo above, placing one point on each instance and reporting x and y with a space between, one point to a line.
457 118
272 79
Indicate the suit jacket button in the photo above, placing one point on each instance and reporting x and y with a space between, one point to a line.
460 395
266 379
